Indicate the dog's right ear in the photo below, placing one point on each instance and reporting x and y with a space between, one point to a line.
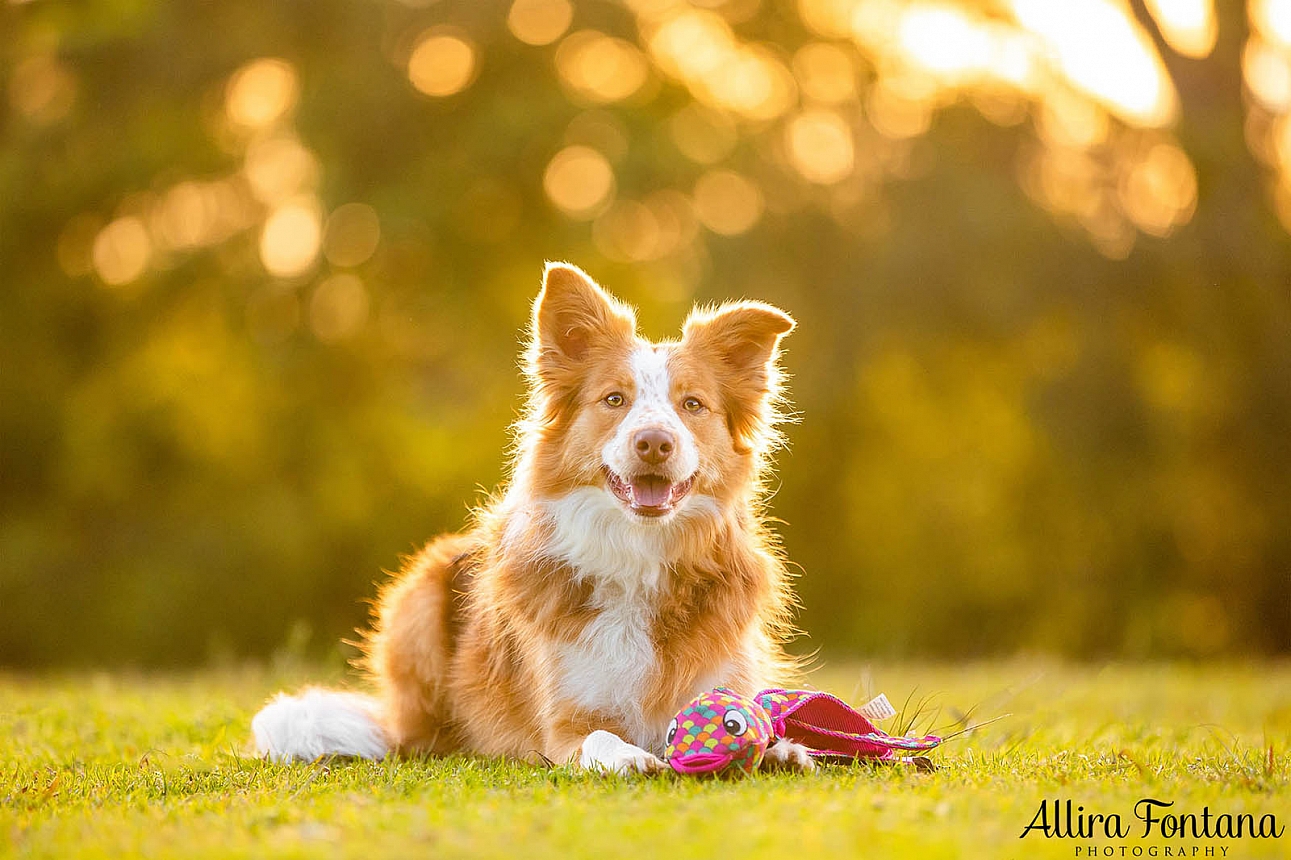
573 321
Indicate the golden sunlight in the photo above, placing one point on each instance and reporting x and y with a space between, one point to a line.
338 308
755 83
825 73
539 22
261 92
1160 190
290 239
1267 72
1067 119
727 203
944 41
601 68
443 63
185 217
190 215
279 167
698 48
1105 54
579 181
1189 26
832 18
193 214
692 44
820 146
896 114
121 251
628 231
1272 18
674 212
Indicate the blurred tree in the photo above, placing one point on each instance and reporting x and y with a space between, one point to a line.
267 262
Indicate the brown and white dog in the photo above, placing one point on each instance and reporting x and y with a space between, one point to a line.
626 568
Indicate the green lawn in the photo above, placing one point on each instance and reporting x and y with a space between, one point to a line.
158 765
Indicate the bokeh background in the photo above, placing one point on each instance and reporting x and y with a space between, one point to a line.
264 267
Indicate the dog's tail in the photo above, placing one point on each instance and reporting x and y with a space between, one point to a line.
318 722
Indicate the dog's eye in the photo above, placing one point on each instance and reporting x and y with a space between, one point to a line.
614 400
672 730
692 404
735 723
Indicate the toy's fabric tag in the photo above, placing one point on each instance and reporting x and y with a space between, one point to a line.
878 708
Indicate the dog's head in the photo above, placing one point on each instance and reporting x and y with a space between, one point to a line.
653 424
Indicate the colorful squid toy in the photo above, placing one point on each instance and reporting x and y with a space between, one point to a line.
721 731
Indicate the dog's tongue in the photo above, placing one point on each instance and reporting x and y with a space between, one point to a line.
651 491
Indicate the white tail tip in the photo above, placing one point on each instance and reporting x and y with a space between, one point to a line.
318 723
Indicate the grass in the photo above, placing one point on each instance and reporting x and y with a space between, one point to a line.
158 765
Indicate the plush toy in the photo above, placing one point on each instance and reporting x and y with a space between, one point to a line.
716 731
721 731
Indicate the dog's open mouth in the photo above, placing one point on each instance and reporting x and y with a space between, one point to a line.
648 495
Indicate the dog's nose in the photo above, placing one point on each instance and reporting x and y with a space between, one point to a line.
653 445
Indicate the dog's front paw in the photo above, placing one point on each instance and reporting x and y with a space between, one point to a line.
608 753
787 755
638 762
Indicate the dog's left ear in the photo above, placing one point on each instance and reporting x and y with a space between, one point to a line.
743 339
572 316
575 324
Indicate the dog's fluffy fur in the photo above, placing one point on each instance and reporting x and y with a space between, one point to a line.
626 568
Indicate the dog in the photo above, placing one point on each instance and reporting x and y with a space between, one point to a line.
626 567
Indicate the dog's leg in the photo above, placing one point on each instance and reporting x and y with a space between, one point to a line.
609 753
787 755
408 649
567 740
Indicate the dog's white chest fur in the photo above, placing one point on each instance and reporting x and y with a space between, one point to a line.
608 668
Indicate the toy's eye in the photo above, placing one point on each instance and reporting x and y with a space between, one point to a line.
735 723
692 404
672 730
615 400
